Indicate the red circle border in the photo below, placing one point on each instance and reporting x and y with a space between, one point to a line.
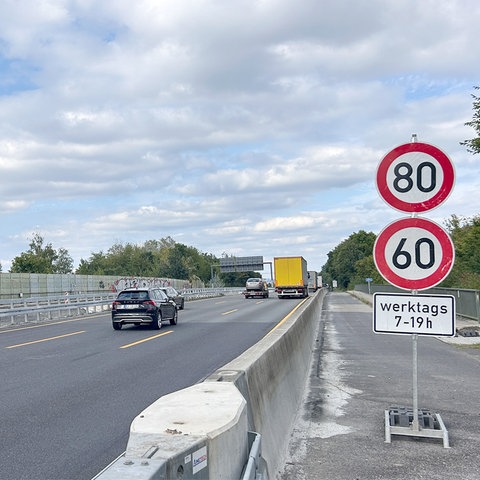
436 200
446 264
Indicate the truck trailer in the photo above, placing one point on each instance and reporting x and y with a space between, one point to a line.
291 277
312 281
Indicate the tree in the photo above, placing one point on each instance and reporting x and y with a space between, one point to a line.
63 262
342 260
238 279
465 234
155 258
473 145
366 268
42 258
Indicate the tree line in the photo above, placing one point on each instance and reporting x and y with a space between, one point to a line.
164 258
351 262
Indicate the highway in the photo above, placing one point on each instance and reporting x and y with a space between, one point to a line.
70 389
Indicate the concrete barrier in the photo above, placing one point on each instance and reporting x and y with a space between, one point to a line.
272 376
199 432
261 390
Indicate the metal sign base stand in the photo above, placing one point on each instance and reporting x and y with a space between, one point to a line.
392 415
403 421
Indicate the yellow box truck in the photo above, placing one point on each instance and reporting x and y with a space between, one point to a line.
291 277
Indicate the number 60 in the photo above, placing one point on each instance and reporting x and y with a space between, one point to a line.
400 254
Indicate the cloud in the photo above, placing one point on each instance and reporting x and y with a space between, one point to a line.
252 127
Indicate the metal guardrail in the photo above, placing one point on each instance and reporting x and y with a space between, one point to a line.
467 301
38 309
256 467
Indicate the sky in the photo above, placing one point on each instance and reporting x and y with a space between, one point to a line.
240 127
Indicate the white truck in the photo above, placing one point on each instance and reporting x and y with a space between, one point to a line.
312 281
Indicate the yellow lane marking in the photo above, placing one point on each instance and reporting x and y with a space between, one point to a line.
45 339
284 319
229 312
146 339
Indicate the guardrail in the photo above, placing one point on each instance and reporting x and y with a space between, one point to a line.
467 301
37 309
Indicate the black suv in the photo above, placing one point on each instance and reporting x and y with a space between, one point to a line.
143 306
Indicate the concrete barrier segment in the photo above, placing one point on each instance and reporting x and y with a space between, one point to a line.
272 375
199 432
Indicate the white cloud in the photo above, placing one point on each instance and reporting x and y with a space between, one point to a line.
253 127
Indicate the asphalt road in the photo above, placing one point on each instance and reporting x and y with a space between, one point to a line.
356 375
70 390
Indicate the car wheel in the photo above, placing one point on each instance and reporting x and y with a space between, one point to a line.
174 320
116 325
157 321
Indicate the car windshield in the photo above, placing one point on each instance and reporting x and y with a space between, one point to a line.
163 295
136 295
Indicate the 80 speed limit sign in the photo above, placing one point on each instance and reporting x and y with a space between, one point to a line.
415 177
414 253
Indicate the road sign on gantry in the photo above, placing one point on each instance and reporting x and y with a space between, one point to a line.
414 253
415 177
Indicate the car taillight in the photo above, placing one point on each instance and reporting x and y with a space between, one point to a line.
148 302
114 304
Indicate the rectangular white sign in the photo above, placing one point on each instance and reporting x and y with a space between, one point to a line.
420 314
199 459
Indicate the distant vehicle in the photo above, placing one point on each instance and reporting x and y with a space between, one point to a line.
312 281
256 287
178 298
143 306
291 277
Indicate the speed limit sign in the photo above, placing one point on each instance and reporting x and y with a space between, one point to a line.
414 253
415 177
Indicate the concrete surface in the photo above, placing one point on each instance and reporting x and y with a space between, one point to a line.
356 375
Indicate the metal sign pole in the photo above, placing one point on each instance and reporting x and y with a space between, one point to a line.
397 420
415 425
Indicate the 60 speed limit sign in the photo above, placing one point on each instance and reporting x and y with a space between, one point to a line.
415 177
414 253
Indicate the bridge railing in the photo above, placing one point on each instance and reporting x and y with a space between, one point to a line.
37 309
467 301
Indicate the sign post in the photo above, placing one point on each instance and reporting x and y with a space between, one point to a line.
414 254
369 281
